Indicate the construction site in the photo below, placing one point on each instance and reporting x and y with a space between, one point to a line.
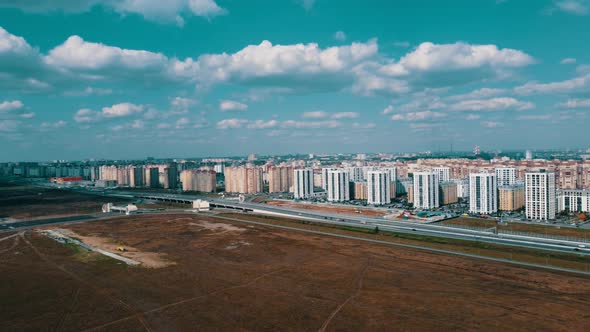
207 271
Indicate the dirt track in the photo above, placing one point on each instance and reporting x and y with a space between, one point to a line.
257 278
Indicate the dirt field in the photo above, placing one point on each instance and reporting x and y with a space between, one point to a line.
235 276
21 202
330 208
520 227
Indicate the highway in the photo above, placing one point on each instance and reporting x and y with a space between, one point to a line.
402 226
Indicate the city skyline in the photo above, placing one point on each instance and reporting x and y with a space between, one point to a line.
117 80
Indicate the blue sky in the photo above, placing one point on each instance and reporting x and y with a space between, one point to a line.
191 78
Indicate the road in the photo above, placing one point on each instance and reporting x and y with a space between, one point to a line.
400 226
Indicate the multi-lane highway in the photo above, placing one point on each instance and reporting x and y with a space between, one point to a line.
561 245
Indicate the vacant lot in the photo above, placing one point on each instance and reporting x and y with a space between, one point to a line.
330 208
235 276
520 227
22 202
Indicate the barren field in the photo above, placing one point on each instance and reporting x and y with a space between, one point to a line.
235 276
22 202
520 227
330 208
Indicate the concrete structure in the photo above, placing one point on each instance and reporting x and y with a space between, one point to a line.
573 200
444 173
105 183
201 205
325 171
355 174
378 187
403 184
511 198
127 209
448 193
505 176
426 193
483 193
137 177
243 180
280 179
198 180
303 183
540 195
360 190
338 185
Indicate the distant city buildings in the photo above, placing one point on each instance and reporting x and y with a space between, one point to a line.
243 180
280 179
198 180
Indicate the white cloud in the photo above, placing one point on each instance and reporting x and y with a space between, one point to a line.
369 125
426 125
182 122
310 125
136 124
230 105
231 123
345 115
492 124
261 124
169 11
122 109
315 115
388 109
54 125
417 116
76 53
540 117
479 94
576 103
340 35
567 61
86 115
576 7
9 125
181 105
11 44
256 62
7 106
458 56
493 104
472 117
89 91
568 86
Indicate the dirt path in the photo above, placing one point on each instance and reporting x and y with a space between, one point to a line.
359 282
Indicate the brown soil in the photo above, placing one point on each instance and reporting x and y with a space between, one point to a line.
330 208
269 279
21 202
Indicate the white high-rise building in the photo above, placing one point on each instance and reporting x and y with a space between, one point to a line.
483 193
540 200
303 183
325 171
338 185
444 173
378 187
426 193
573 200
392 180
506 176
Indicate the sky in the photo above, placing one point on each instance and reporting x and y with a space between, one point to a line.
126 79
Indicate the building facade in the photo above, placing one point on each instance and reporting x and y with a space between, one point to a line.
303 183
483 191
378 187
540 195
338 185
511 198
426 193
